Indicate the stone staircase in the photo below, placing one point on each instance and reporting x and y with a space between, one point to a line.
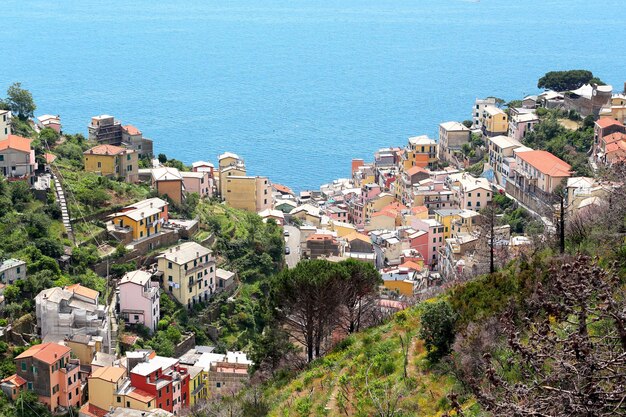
65 214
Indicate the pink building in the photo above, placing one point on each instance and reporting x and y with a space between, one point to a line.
198 182
203 166
357 207
419 241
435 238
139 299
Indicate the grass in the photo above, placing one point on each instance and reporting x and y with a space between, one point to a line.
363 370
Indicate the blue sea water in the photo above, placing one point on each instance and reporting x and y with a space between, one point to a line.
297 88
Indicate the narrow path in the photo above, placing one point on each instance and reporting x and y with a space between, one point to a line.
65 214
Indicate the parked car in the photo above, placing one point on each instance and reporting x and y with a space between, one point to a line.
287 250
286 233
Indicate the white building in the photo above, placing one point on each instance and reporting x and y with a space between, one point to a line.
12 270
5 124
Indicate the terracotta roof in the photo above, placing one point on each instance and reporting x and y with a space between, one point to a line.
616 146
109 373
84 291
614 137
283 189
394 206
17 143
411 265
93 411
141 395
419 209
15 379
129 339
546 163
416 170
607 121
107 150
50 158
387 213
45 352
132 130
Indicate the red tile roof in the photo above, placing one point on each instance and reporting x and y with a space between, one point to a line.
106 150
283 189
50 158
604 122
616 146
132 130
415 170
614 137
17 143
84 291
45 352
546 163
93 411
15 379
411 265
419 209
141 395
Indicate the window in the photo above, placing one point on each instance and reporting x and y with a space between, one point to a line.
218 384
169 265
23 366
29 386
127 404
18 269
469 204
99 164
478 204
69 381
434 240
69 397
136 317
128 157
167 403
469 194
477 194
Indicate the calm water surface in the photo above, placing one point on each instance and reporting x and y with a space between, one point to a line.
297 88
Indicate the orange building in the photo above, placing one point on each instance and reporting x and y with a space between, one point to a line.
51 375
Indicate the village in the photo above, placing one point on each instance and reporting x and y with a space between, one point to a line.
426 215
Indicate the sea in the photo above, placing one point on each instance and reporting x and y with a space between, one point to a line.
297 88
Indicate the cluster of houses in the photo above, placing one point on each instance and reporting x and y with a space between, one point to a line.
413 212
75 374
76 364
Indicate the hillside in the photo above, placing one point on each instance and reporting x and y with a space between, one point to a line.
364 376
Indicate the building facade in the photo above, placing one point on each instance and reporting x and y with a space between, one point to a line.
113 161
139 299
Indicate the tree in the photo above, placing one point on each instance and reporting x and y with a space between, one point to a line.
20 101
162 158
50 247
561 352
307 300
566 80
48 136
437 329
468 123
358 291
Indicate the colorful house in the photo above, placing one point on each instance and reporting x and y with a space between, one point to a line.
188 272
112 161
142 219
168 182
51 374
198 182
139 299
421 151
17 158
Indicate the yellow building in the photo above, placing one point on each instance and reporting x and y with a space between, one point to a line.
141 219
188 272
421 152
198 389
446 217
342 228
113 161
229 164
106 391
376 204
84 347
403 287
494 121
248 193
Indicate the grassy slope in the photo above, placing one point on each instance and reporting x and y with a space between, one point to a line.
337 383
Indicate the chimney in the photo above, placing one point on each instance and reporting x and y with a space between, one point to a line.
624 87
197 254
